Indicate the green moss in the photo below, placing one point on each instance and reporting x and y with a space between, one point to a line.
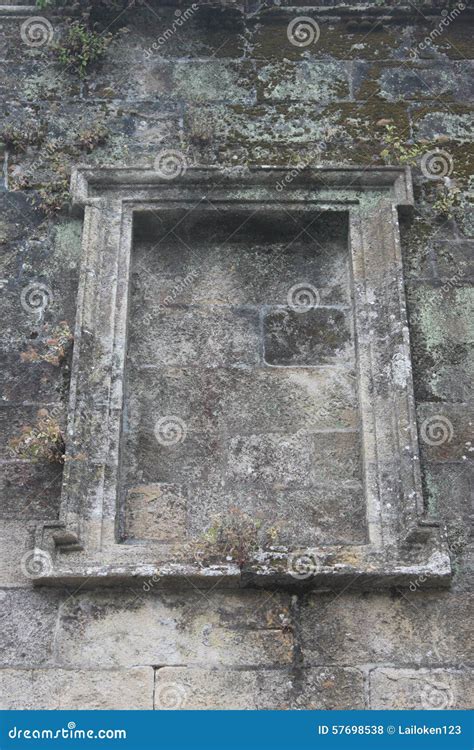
338 39
455 41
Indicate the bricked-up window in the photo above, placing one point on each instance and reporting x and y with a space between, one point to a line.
243 349
241 377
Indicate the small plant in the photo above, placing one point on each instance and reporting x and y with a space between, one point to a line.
81 48
96 135
448 202
235 537
54 196
396 150
57 346
43 441
17 139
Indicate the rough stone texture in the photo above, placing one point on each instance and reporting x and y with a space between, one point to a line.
194 689
27 627
58 689
219 346
15 542
426 689
409 628
139 628
232 90
156 511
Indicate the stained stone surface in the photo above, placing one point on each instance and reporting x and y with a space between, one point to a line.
59 689
241 387
382 650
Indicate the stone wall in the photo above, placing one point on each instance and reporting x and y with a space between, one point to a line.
227 86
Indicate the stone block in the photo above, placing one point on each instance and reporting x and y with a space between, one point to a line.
205 689
450 490
453 41
205 32
446 432
16 541
456 125
27 623
319 515
30 490
29 382
156 512
125 629
263 124
76 690
441 342
421 689
273 460
241 401
454 261
411 629
338 39
16 211
193 336
318 336
193 457
213 80
417 82
304 81
336 458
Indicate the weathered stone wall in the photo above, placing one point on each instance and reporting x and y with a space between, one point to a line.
227 87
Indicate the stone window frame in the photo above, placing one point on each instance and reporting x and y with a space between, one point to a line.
404 545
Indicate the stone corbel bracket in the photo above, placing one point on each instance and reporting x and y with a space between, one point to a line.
403 545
